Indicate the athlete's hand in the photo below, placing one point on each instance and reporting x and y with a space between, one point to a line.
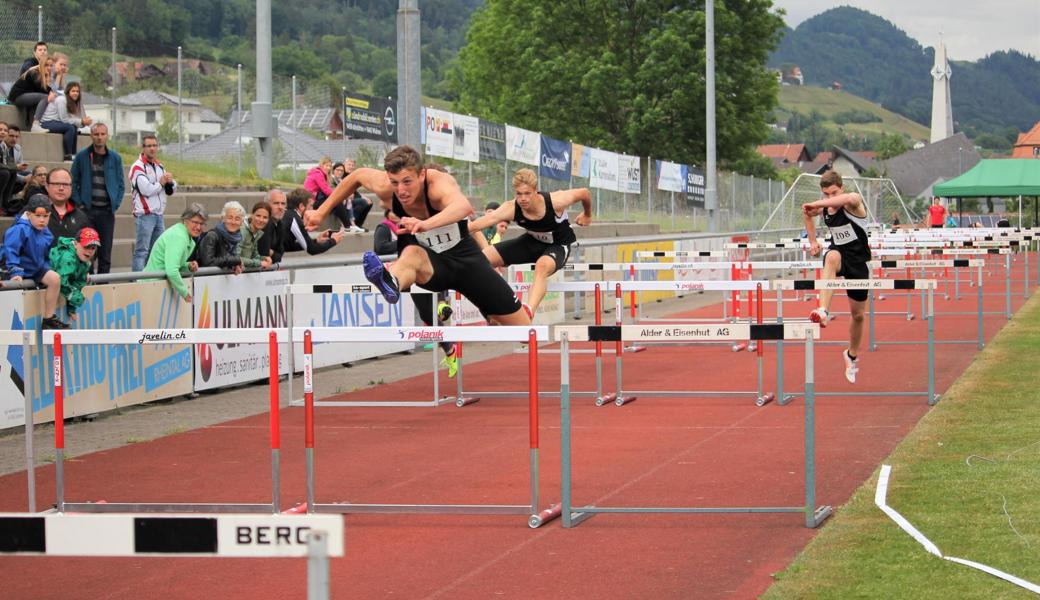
583 220
814 248
810 209
311 219
412 225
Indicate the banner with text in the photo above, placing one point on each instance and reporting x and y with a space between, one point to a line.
12 371
467 137
695 186
579 160
492 141
629 174
671 177
249 300
603 170
440 136
555 159
522 145
370 117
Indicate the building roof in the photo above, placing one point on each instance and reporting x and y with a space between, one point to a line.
789 154
915 171
1027 142
154 98
860 160
305 149
302 118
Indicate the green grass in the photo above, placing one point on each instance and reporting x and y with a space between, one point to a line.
804 99
989 415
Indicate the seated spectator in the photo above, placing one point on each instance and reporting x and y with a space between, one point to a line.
65 115
32 88
337 175
218 247
8 177
252 233
12 152
26 244
386 234
317 184
71 258
59 66
172 250
66 218
38 58
295 237
36 184
359 204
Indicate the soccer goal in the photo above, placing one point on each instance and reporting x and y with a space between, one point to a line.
880 196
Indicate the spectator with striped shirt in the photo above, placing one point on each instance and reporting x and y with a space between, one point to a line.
150 184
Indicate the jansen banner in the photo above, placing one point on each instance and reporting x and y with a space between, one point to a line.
671 177
603 170
629 174
695 186
440 136
370 117
522 145
555 159
467 138
492 141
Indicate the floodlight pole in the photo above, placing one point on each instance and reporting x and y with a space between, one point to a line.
711 195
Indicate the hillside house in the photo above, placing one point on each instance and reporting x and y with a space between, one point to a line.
140 113
1028 144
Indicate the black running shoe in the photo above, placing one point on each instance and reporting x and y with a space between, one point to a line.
53 322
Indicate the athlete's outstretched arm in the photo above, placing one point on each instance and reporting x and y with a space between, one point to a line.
564 198
848 199
444 195
505 212
372 180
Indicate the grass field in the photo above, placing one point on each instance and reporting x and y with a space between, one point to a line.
805 99
968 477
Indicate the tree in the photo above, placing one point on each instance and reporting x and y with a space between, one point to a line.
891 145
626 76
166 126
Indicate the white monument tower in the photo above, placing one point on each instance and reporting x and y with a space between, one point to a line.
942 114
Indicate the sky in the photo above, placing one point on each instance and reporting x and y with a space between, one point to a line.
971 29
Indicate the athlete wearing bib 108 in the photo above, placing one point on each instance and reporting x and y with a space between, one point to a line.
547 237
846 217
434 247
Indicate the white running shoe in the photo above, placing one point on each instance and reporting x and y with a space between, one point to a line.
851 366
821 316
356 229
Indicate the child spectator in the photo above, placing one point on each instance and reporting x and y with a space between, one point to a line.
36 184
251 235
70 259
26 245
64 115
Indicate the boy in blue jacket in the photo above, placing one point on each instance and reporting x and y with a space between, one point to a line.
26 245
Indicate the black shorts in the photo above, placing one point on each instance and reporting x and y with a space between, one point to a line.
466 270
851 269
525 249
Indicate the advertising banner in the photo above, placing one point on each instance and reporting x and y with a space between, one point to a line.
104 377
626 253
440 135
12 373
629 174
249 300
695 186
370 118
467 134
603 170
671 177
367 309
492 141
522 145
580 160
555 161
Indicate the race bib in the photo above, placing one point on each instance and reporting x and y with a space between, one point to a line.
441 238
842 234
546 237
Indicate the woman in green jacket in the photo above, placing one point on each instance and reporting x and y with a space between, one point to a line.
170 252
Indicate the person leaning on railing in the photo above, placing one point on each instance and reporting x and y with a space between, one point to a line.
171 251
218 247
252 233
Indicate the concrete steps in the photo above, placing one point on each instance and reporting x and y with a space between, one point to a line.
38 147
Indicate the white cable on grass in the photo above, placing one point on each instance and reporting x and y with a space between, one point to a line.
880 500
1010 524
971 456
1023 448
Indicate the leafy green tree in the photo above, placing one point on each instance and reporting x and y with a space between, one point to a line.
385 83
626 76
166 125
891 145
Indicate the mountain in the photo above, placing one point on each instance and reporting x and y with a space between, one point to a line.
874 59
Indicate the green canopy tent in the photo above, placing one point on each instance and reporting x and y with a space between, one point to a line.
1002 177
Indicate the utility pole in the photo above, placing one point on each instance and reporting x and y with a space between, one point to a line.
711 194
262 115
409 74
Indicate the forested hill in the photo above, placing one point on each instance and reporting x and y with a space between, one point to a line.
873 58
351 41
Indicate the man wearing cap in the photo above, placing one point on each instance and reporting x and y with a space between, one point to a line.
70 259
26 245
66 219
173 248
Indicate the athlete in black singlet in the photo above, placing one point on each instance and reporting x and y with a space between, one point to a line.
548 236
846 218
434 246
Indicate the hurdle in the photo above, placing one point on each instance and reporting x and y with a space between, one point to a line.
58 339
530 335
865 284
26 339
355 288
573 516
314 537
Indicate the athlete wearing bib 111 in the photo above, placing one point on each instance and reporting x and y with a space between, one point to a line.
548 236
846 217
435 249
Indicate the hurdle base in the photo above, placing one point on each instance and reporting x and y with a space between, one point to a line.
605 399
787 399
634 348
623 400
819 516
764 399
136 507
553 512
577 517
461 401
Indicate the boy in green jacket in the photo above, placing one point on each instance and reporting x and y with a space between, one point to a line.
70 258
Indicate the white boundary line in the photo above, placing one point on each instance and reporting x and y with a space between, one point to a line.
880 496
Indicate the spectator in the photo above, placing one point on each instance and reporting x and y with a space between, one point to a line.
317 184
150 185
218 247
386 234
98 186
13 154
66 219
251 235
490 232
26 244
38 58
71 258
8 176
36 184
272 244
32 88
1003 221
295 234
64 115
172 250
359 204
337 175
58 66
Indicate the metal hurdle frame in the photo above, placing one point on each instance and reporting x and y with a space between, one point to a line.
26 339
59 338
292 290
808 332
863 284
530 335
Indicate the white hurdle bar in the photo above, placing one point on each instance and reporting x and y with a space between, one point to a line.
60 338
315 537
807 332
530 335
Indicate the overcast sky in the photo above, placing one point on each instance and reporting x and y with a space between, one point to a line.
971 28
